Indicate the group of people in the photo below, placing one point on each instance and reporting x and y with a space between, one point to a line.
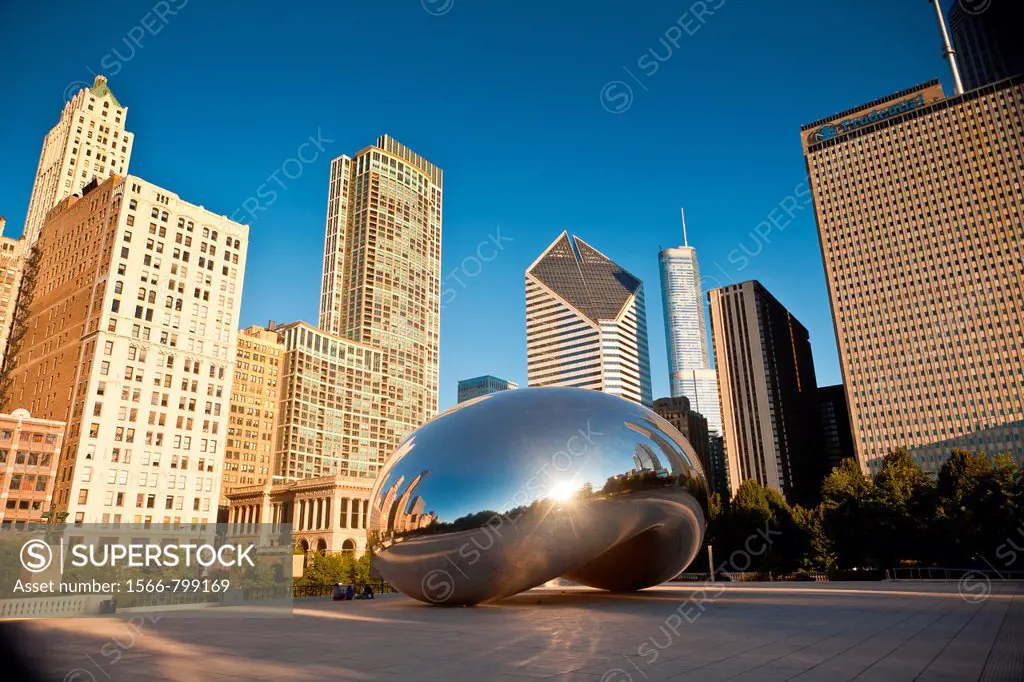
342 593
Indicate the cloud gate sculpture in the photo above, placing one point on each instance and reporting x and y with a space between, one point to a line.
512 489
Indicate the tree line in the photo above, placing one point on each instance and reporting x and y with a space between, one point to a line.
331 569
971 515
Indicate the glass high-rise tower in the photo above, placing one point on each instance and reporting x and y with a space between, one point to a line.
686 336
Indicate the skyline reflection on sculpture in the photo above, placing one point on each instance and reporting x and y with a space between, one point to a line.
509 473
415 522
648 473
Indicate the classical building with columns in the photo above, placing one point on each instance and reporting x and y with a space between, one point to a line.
327 514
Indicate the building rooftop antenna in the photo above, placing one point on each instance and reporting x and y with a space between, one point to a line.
947 48
682 213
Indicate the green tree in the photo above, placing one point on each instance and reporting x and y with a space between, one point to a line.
977 508
901 509
361 569
761 532
327 569
820 555
845 514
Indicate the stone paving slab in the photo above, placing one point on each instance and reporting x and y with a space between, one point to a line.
827 632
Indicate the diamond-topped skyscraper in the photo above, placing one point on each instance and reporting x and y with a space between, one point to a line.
585 323
686 336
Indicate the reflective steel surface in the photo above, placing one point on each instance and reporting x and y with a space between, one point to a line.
510 490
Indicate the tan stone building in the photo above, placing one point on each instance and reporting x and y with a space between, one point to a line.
12 263
89 142
332 401
920 213
29 453
327 514
382 273
130 338
252 416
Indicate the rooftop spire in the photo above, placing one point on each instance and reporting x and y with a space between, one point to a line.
682 212
947 49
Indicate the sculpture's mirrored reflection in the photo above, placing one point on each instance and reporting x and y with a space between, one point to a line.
513 489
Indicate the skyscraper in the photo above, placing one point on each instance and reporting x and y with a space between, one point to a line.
768 389
988 41
130 339
585 323
686 337
920 216
252 416
685 332
331 415
478 386
382 271
89 141
835 426
694 427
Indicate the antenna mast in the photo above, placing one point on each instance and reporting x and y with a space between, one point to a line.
947 48
682 213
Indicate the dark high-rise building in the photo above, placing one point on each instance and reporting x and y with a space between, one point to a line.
920 216
988 41
768 391
836 435
679 412
478 386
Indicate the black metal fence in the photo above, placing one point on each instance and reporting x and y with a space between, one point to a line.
244 595
751 576
314 591
939 573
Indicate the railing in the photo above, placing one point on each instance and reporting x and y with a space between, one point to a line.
150 599
751 576
315 591
939 573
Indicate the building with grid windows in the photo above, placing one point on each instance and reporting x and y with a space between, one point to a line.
29 453
331 412
988 42
130 338
252 416
768 389
920 214
478 386
12 267
585 323
382 273
678 412
89 142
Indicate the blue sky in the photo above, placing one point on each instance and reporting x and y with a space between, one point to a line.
512 100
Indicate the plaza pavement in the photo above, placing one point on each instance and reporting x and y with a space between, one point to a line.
749 632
